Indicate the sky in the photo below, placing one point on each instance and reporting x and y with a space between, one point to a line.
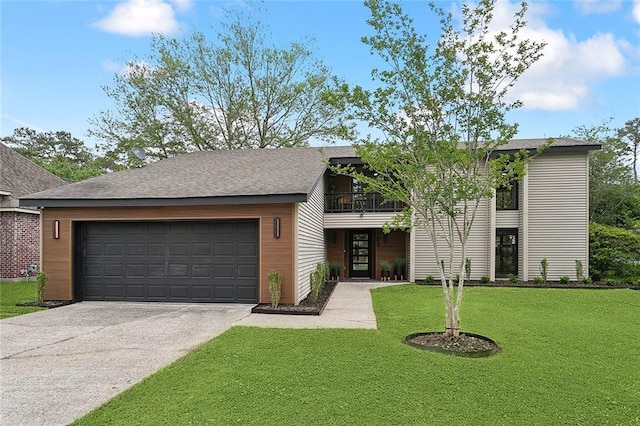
56 56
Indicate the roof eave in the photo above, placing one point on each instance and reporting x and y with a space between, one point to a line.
163 202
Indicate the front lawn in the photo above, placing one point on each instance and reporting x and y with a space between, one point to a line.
14 292
569 357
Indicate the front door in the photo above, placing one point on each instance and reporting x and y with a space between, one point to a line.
360 254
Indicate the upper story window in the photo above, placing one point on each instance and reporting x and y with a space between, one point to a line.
507 198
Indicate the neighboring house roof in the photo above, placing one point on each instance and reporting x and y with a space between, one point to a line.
20 176
219 177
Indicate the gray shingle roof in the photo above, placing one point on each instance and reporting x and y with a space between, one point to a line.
20 176
219 177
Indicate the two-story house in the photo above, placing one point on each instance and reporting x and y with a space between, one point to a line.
209 226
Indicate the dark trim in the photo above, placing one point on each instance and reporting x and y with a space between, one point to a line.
516 254
346 160
513 193
164 202
551 149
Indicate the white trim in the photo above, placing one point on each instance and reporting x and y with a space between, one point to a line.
586 254
492 238
5 193
18 210
524 239
296 270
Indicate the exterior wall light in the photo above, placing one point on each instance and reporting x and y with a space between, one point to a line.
56 229
276 227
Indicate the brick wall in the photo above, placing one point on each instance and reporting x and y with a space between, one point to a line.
19 242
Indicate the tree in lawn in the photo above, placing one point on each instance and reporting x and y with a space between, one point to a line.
58 152
234 90
441 112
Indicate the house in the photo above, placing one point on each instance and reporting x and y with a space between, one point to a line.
20 226
209 226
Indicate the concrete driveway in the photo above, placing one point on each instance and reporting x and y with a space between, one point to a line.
59 364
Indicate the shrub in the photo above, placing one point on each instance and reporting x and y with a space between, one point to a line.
41 284
613 252
537 279
317 280
513 278
429 279
587 280
457 279
544 267
467 268
484 279
564 279
579 270
275 287
334 268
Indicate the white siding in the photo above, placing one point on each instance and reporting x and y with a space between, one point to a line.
310 244
478 248
558 213
356 221
508 218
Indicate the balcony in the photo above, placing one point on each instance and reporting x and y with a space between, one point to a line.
357 202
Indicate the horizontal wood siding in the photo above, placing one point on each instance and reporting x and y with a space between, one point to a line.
310 239
558 213
508 218
478 249
57 255
356 221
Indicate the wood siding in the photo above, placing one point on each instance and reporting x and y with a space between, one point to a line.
558 213
57 258
337 249
395 246
478 248
310 243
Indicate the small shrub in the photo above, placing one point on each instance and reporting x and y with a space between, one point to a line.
275 287
587 280
335 268
485 279
429 279
399 264
41 284
457 279
564 279
537 279
544 267
317 280
579 270
467 268
513 278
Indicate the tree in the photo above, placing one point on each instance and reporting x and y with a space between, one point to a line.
58 152
630 135
237 92
614 196
441 110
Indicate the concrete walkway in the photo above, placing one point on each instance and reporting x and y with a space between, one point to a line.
59 364
350 306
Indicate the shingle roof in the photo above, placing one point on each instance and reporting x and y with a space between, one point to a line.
218 177
20 176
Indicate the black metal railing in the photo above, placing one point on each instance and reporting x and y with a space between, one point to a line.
350 202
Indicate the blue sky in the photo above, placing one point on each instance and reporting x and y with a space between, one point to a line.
56 55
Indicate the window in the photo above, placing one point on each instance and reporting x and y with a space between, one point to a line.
506 252
507 198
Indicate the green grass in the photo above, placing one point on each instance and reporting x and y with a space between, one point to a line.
569 357
12 293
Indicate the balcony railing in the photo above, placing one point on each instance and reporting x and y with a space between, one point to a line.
351 202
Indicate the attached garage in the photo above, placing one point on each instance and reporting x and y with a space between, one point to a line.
168 261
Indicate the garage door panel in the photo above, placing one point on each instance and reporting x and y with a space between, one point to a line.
173 261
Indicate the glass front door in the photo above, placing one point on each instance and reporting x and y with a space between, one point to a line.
360 254
506 252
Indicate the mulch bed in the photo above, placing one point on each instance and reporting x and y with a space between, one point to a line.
306 307
46 303
531 284
467 345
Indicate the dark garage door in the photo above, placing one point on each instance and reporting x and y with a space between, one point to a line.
214 261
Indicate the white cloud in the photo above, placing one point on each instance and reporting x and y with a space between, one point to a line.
597 6
636 11
563 77
142 17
